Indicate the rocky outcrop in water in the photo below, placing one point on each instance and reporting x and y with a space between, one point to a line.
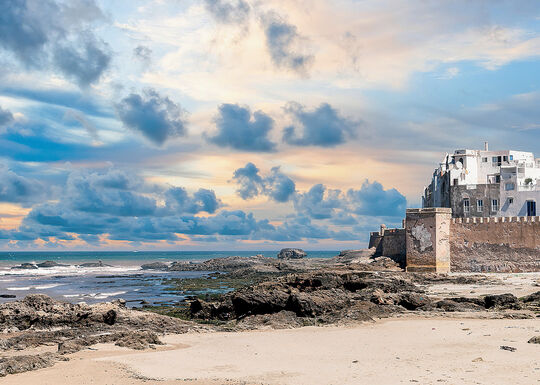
291 254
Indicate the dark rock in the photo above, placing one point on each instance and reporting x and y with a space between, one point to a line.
413 301
290 253
25 266
534 340
110 317
8 296
94 264
155 266
47 264
502 301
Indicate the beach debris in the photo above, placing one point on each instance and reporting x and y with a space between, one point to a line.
508 348
478 359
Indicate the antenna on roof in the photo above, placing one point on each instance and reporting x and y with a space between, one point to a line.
486 146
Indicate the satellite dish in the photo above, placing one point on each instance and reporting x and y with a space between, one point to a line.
459 165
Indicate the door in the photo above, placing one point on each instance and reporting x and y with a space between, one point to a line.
531 208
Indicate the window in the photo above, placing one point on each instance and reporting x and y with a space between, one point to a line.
496 160
479 205
505 158
466 205
484 160
456 182
511 157
509 186
510 201
494 205
497 179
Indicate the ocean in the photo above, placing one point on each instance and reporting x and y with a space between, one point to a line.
121 278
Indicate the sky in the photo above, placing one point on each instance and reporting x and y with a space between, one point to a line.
248 124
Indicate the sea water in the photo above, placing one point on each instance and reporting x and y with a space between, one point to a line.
122 278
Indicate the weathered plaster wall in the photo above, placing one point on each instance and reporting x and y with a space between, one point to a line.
427 239
495 244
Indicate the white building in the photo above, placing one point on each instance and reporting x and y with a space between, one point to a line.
486 183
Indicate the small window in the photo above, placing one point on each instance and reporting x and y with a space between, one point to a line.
511 157
497 179
510 201
456 182
509 186
466 205
494 205
505 158
484 160
479 205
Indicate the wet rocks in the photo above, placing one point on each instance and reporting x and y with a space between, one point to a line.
155 266
25 266
48 264
290 253
8 296
94 264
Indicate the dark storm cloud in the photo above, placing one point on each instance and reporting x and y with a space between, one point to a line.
84 60
285 44
322 127
155 116
228 11
276 185
239 129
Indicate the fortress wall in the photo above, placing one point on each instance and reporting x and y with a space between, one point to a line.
498 244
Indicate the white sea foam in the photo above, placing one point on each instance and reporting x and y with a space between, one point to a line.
71 295
106 295
68 270
40 287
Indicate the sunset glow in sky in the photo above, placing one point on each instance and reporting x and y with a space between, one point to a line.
247 124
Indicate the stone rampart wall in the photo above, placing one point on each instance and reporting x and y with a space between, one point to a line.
498 244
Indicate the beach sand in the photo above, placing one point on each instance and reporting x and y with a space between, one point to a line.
393 351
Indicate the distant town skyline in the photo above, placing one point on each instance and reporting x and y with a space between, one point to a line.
236 124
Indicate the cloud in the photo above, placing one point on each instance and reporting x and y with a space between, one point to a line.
285 45
85 59
179 201
83 121
157 117
373 200
227 11
319 202
6 117
18 189
239 129
143 53
278 186
35 30
322 127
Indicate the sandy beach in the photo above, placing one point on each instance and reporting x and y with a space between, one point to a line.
406 350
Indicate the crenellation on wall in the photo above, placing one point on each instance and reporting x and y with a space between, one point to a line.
434 241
